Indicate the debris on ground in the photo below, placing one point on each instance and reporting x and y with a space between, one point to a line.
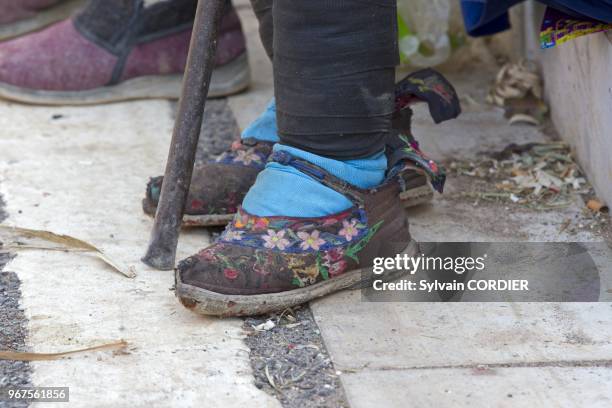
14 324
13 374
24 356
290 361
15 238
219 130
596 205
535 175
268 325
596 221
518 89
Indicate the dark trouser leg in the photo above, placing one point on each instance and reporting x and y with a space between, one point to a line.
334 67
263 11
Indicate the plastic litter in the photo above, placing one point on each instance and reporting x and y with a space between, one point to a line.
423 27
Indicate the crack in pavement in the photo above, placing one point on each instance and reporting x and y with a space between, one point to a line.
291 361
606 363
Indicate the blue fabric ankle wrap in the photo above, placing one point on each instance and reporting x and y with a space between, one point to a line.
284 190
264 127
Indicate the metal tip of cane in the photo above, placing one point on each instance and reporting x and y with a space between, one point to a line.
159 258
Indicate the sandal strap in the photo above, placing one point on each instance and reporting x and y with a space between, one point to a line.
405 155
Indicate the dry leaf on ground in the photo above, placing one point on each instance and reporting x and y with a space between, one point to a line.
523 118
13 238
18 356
595 205
538 175
518 89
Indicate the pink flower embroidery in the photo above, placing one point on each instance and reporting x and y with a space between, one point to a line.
276 240
207 255
261 269
333 255
349 230
261 224
230 274
433 166
337 268
196 204
246 157
310 240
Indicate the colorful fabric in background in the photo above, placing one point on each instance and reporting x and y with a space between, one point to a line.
486 17
558 28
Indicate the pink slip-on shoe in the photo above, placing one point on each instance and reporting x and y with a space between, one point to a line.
18 17
117 50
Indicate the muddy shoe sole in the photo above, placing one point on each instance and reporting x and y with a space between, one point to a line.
41 20
228 79
216 304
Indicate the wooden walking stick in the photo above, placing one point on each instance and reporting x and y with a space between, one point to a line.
179 168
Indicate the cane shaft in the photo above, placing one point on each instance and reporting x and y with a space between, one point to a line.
161 253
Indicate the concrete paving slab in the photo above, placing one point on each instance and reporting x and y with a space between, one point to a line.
447 220
479 387
363 335
82 171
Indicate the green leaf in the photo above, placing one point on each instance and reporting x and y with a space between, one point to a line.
322 269
353 250
351 255
404 139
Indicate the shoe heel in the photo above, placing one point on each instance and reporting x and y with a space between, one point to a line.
417 190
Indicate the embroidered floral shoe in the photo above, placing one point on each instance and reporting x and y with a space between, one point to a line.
18 17
217 188
116 50
265 264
